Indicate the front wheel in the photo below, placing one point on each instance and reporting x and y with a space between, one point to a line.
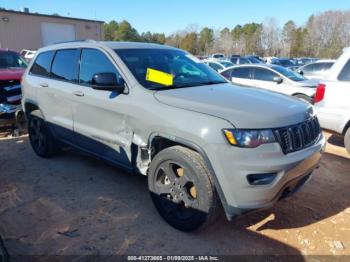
347 140
40 136
182 189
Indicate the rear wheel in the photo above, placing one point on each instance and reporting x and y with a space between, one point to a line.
40 136
347 140
181 188
304 98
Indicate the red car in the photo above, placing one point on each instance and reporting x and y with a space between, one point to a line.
12 67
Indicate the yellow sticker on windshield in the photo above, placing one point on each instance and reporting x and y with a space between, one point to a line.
159 77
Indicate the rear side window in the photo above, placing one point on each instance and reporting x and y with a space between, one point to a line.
264 74
241 73
308 68
93 62
227 74
216 67
234 60
317 67
65 65
42 64
345 72
243 61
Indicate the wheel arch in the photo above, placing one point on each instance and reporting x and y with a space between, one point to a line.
30 106
303 94
298 93
346 128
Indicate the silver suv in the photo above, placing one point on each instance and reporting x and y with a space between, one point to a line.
158 111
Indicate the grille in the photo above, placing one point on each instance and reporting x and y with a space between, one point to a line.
300 136
10 91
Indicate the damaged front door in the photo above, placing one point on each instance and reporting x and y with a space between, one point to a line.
100 125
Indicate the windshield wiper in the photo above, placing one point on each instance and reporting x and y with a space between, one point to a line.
175 86
209 83
171 87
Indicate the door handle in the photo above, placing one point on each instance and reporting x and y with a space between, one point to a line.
44 84
78 93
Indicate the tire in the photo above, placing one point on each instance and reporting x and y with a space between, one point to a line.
182 189
304 98
40 136
4 256
347 140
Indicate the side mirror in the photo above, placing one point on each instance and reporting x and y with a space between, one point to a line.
108 82
300 72
278 79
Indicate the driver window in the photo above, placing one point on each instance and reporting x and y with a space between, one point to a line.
93 62
241 73
264 75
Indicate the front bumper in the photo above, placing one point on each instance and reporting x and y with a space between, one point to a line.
232 165
9 114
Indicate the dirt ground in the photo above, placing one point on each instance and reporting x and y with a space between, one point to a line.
76 205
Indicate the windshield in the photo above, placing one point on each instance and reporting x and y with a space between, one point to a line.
254 60
218 56
167 68
292 75
226 63
11 60
286 62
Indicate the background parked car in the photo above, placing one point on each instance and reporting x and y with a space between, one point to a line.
12 67
256 59
332 99
217 56
285 62
27 54
218 65
305 60
243 60
316 70
272 77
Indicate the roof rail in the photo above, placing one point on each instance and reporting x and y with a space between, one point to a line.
74 41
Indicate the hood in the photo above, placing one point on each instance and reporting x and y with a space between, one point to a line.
242 106
307 83
11 74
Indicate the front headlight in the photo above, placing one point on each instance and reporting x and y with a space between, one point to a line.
249 138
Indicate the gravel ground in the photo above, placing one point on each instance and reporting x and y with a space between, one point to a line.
76 205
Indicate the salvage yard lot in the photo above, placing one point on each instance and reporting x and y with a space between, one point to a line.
76 205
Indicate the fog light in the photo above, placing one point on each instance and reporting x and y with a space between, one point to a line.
261 179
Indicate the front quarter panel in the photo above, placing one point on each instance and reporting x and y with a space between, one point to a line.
151 117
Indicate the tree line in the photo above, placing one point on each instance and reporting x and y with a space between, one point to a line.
323 35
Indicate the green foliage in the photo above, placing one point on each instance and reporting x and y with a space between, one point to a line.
189 43
297 43
206 40
110 30
123 31
126 32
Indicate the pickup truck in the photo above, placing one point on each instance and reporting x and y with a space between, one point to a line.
332 98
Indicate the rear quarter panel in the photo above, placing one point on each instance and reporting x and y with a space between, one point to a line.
334 110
